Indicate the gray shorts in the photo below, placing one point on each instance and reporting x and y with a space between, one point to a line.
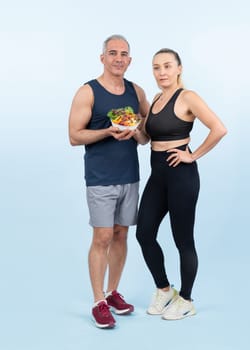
114 204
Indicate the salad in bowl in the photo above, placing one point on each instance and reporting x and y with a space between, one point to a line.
124 118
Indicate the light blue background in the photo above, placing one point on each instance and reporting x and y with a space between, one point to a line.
48 49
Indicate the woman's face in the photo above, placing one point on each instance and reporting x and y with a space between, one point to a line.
166 70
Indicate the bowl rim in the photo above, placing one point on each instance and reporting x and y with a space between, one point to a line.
124 127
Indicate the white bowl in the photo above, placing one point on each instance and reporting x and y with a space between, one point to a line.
124 127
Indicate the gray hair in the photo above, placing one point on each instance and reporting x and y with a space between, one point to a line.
114 37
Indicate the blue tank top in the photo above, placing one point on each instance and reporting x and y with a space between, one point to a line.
110 162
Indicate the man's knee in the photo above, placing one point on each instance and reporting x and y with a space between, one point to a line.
102 237
120 233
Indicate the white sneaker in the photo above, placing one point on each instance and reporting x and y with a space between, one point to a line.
161 300
179 309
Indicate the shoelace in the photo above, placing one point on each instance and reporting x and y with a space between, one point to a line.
116 294
180 303
159 299
104 309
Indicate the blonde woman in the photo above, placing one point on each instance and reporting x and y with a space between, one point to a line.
173 185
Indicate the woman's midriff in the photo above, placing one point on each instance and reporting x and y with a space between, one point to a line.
166 145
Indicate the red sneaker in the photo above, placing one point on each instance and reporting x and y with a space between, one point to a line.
102 315
118 304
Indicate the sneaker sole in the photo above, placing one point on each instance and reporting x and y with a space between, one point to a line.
99 325
166 306
120 312
190 313
154 313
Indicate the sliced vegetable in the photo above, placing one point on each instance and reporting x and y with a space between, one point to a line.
124 116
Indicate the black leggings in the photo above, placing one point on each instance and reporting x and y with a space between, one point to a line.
174 191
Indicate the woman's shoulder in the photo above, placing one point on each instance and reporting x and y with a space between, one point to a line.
189 95
156 97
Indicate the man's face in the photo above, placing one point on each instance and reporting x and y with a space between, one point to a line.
116 58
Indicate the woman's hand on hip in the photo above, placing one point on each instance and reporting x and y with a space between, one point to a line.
177 156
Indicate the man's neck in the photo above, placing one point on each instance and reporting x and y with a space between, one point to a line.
113 84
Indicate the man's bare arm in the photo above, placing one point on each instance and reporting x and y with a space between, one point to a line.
80 114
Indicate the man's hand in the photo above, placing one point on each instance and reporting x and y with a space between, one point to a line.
121 135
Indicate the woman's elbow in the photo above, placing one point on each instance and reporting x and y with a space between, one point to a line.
220 131
223 131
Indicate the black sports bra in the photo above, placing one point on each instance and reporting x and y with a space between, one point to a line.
165 125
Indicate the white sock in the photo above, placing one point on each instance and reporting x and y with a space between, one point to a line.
97 302
107 294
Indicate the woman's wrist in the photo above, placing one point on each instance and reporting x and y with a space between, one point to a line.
193 157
